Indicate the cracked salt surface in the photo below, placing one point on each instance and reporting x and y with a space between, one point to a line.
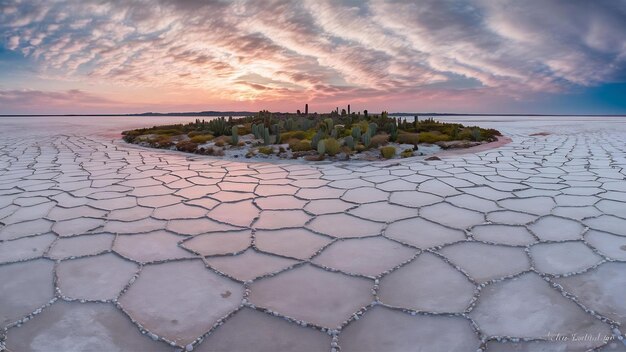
111 247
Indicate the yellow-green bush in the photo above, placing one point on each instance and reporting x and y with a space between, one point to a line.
293 134
432 137
388 152
407 153
202 138
409 138
266 150
380 139
300 146
332 146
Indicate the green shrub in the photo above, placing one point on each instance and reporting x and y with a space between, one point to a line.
266 150
388 152
409 138
301 146
432 137
198 133
285 136
332 146
407 153
186 146
202 138
379 139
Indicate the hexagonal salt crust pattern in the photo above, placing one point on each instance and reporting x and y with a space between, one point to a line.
105 246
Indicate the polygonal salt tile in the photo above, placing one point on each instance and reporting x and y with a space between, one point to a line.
274 190
180 300
115 203
295 243
206 203
218 243
503 310
195 192
249 330
310 183
383 329
239 213
367 256
324 192
484 262
438 188
486 192
278 219
59 213
365 195
611 207
608 223
566 200
100 277
577 213
450 215
427 284
132 214
303 293
150 191
159 201
600 289
29 213
563 258
509 217
25 287
151 247
226 196
194 227
280 203
423 233
512 235
24 229
237 186
554 228
535 205
25 248
343 225
179 211
77 246
327 206
610 245
414 199
133 227
74 327
75 227
383 212
249 265
397 185
471 202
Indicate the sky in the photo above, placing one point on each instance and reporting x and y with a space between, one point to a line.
482 56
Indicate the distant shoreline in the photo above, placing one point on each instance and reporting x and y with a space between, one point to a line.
248 113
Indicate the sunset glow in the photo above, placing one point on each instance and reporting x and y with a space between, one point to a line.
441 56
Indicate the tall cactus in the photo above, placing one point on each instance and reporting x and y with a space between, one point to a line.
321 147
356 133
366 139
276 129
349 142
316 138
234 136
371 129
266 136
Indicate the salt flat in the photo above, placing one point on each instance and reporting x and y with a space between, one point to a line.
110 247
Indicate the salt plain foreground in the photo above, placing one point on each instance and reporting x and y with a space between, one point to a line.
110 247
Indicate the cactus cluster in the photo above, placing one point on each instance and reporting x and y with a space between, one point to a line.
234 136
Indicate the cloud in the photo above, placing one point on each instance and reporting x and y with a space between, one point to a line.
323 49
18 101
